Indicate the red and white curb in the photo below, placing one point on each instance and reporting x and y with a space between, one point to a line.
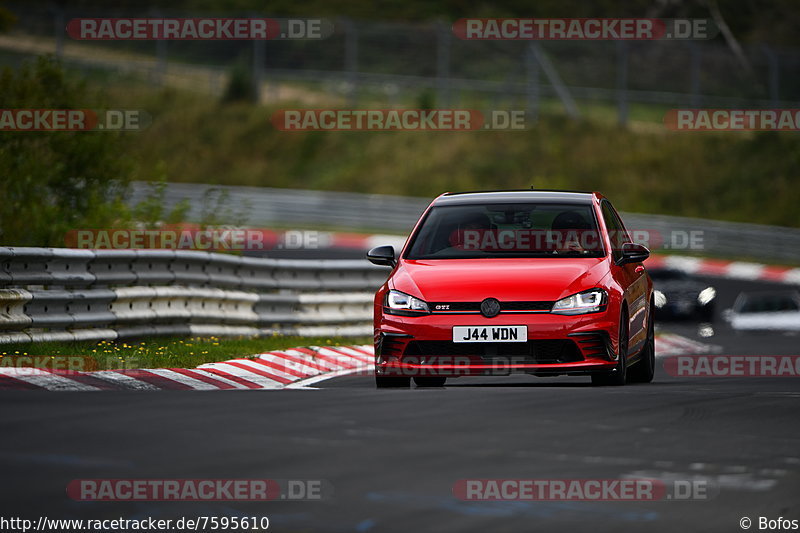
296 368
668 344
726 269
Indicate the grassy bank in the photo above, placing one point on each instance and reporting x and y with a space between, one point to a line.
153 352
644 168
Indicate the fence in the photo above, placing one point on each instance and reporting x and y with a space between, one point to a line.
401 62
376 212
49 294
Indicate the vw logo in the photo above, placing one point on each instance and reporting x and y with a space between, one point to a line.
490 307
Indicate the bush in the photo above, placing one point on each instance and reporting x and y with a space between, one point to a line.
240 84
56 181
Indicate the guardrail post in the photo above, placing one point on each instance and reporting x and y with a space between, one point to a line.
622 81
160 70
774 75
259 46
555 80
443 43
694 71
532 85
351 60
59 26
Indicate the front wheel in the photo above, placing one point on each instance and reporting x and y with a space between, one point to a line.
617 376
644 370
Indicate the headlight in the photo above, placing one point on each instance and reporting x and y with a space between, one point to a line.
584 302
659 298
706 295
400 303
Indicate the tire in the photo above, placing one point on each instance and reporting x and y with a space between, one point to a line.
430 381
644 370
617 377
384 382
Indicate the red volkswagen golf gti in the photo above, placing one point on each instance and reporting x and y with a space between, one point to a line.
539 282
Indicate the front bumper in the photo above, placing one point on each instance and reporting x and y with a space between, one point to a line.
557 345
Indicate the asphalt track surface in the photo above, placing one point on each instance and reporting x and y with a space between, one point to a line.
392 457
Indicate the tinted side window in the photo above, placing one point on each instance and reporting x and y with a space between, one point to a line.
616 230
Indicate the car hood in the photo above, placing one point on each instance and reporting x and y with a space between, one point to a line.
471 280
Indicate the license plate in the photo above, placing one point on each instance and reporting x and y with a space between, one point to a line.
490 333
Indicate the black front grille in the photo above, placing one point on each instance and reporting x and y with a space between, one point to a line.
526 306
531 352
475 307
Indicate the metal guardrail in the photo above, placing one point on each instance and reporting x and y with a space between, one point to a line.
269 207
53 294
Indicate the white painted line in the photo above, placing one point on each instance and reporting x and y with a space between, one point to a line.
304 383
742 482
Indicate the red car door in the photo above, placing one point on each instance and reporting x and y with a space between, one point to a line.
630 276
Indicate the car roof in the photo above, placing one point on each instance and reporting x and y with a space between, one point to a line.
510 196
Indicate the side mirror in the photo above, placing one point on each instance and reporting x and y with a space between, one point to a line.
633 253
382 255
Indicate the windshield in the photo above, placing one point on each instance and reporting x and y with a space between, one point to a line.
507 230
767 303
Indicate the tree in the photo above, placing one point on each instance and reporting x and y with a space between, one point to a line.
51 182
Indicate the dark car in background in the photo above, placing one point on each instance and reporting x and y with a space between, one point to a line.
679 296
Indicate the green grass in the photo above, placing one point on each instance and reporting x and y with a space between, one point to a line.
162 352
747 177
